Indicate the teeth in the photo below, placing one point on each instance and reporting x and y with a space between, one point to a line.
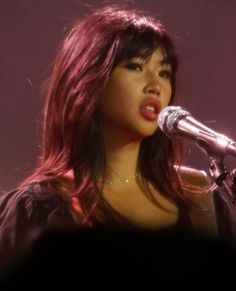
150 108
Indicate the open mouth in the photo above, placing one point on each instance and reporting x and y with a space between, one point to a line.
150 108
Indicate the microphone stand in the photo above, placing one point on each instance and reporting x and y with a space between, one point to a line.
222 177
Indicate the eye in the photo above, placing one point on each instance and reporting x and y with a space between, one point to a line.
165 74
134 66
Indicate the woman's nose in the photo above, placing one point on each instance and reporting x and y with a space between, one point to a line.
153 87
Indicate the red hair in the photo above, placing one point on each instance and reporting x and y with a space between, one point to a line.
83 64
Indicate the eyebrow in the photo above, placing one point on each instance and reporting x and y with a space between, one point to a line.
165 61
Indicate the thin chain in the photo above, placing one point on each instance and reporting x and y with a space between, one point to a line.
125 181
122 182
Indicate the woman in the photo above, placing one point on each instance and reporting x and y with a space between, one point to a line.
104 161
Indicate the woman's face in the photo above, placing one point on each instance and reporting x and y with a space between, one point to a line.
135 93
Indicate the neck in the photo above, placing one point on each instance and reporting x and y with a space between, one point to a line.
122 162
121 158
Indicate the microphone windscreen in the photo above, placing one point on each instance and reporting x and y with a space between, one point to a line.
168 118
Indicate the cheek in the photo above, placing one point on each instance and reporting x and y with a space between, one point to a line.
121 92
112 100
167 96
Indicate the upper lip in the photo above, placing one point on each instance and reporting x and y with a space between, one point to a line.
151 101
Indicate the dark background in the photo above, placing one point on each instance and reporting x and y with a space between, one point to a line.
30 30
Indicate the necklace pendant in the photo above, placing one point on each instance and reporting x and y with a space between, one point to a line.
126 181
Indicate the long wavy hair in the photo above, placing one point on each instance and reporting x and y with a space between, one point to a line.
83 64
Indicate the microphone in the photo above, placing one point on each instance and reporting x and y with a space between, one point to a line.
174 120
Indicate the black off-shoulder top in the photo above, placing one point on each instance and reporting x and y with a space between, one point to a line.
27 212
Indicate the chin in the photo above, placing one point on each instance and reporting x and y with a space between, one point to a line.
141 131
144 133
148 130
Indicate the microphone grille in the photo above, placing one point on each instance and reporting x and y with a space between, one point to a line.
168 118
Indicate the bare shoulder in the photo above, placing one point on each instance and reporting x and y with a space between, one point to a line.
192 176
197 188
200 198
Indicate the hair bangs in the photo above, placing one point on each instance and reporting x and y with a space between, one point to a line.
141 42
136 44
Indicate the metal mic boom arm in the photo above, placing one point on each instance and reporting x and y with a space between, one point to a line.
224 179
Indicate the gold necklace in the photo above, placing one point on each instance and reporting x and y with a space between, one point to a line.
125 181
121 181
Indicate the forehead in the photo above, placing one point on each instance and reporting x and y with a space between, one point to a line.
159 56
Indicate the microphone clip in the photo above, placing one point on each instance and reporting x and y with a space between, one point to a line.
223 178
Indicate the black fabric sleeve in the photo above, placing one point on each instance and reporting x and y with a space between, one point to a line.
25 213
